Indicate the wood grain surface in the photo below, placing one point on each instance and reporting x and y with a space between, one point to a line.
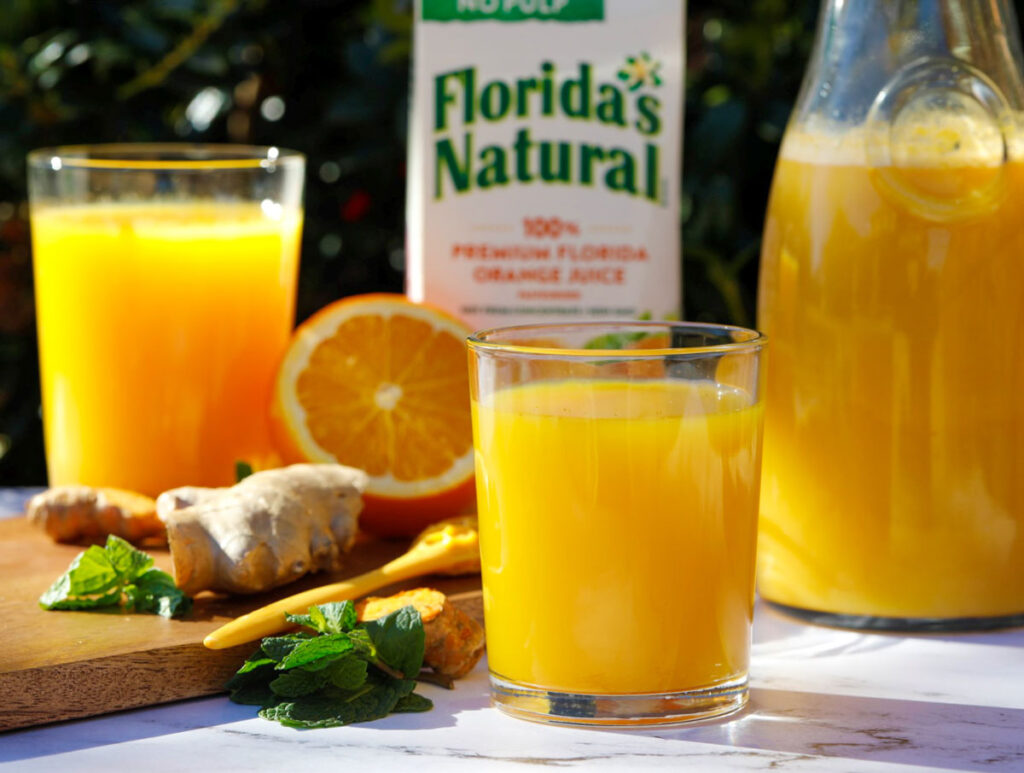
65 665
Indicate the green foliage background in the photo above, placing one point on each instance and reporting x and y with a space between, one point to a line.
221 70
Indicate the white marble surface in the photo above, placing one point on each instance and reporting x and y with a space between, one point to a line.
821 699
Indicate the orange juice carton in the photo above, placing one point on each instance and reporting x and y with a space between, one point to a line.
544 159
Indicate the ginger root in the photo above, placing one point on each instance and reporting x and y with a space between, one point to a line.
270 529
77 513
454 640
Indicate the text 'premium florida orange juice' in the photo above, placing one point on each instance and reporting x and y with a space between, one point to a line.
160 327
893 297
617 525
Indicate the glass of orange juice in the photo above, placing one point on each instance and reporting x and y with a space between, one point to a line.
165 291
617 470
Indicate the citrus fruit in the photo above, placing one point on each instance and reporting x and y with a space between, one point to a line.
381 383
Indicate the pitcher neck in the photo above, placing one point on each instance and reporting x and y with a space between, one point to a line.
863 46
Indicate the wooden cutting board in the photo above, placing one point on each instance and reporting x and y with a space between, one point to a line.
64 665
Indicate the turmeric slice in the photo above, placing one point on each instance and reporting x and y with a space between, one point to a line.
454 641
82 513
270 529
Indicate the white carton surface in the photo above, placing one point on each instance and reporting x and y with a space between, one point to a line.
544 166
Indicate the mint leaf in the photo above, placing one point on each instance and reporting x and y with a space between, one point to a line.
304 620
254 661
347 673
316 711
317 620
328 709
251 684
413 702
116 574
334 617
256 694
339 616
298 682
261 673
53 600
399 640
154 591
242 470
381 699
91 572
277 648
126 560
360 637
317 652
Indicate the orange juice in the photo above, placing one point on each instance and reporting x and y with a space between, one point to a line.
617 531
160 328
894 436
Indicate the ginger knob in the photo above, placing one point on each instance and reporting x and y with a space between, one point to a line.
76 513
270 529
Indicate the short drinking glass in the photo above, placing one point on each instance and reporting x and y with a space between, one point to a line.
618 471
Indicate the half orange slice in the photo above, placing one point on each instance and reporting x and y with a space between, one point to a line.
381 383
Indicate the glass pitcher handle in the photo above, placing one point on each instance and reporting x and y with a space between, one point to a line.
937 139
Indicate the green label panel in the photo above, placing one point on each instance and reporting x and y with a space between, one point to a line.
513 10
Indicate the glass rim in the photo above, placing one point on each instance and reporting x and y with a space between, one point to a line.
748 339
162 156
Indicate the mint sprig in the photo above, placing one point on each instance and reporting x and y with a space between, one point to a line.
116 575
344 672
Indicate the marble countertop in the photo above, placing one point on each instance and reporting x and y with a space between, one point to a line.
821 699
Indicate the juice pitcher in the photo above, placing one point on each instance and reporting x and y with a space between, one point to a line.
892 292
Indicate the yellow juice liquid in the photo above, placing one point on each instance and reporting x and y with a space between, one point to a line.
617 531
894 429
160 329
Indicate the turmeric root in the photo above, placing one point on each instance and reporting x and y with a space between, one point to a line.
269 529
454 641
76 513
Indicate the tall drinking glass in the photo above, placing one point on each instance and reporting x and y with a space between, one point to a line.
617 468
165 290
